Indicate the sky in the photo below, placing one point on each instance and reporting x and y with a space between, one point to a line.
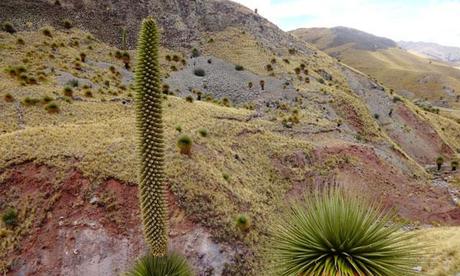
435 21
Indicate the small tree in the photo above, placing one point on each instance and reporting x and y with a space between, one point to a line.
454 165
262 84
439 162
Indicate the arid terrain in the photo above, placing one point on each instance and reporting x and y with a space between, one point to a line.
67 134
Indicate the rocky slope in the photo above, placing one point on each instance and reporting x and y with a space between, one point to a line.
71 174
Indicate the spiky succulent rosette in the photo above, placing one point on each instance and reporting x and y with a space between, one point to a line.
150 139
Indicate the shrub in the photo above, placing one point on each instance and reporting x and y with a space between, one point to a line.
199 72
292 51
168 57
20 41
376 116
118 54
30 101
10 217
68 92
273 61
297 70
88 94
185 144
210 61
179 129
8 27
47 99
189 99
173 68
8 98
195 53
203 132
47 32
226 176
269 67
454 165
72 83
439 162
337 234
176 58
239 68
286 61
397 99
262 84
67 24
52 108
226 102
320 80
83 57
243 223
165 89
171 264
250 84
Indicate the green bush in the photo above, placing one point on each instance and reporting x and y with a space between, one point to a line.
337 234
239 68
179 129
47 99
195 53
171 264
203 132
8 98
439 162
52 108
10 217
72 83
199 72
47 32
454 165
67 24
185 144
8 27
30 101
243 223
189 99
68 92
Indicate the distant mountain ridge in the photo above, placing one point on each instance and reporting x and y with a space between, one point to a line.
340 36
433 50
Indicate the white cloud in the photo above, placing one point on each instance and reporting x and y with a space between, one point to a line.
417 20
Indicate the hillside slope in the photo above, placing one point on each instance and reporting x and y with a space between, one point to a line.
71 174
408 74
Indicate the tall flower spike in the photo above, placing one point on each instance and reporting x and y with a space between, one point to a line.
150 139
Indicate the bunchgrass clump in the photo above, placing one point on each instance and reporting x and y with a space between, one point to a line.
52 108
184 143
239 67
10 217
243 223
8 98
203 132
67 24
171 264
8 27
439 162
337 234
199 72
68 91
47 32
30 101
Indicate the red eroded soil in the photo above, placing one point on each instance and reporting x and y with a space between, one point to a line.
66 228
419 140
368 174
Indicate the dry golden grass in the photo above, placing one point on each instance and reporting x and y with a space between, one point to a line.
443 251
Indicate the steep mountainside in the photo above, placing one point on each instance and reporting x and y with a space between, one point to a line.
408 74
281 118
433 50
